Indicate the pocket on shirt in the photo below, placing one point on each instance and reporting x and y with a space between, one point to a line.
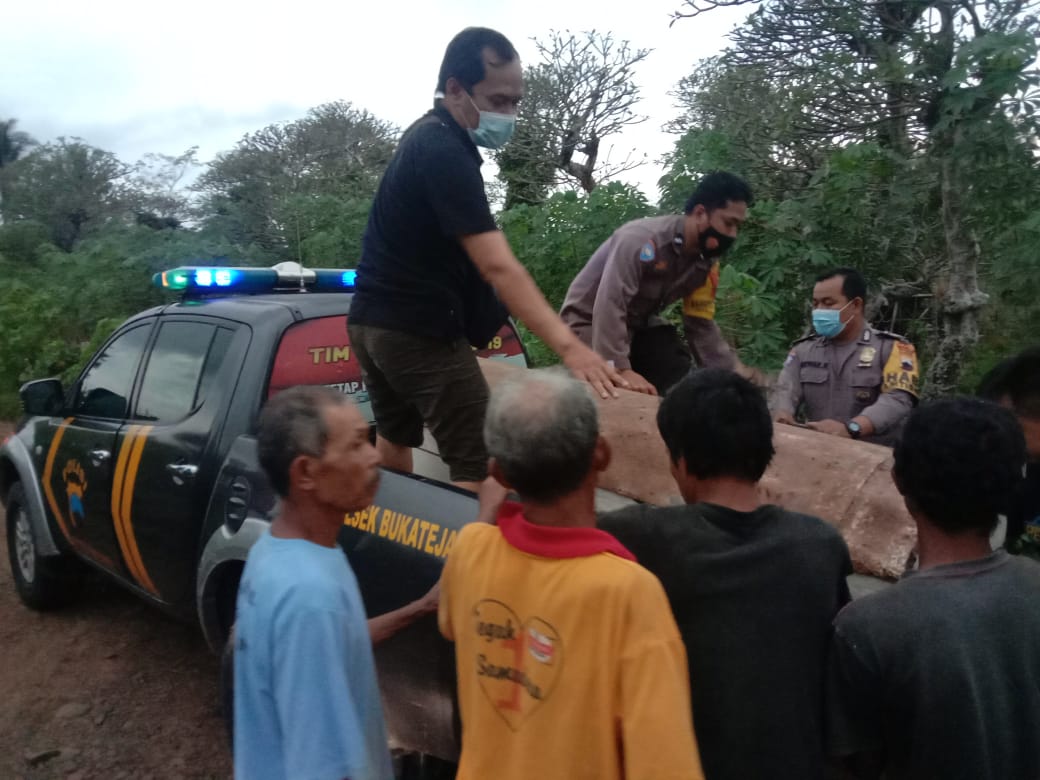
813 375
864 385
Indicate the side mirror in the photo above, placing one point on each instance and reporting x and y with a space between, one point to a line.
42 397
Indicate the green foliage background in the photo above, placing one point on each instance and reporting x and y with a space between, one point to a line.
82 232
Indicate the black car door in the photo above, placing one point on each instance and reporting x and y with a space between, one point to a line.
162 479
77 477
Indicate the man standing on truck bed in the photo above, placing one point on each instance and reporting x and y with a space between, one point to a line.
569 661
432 261
306 697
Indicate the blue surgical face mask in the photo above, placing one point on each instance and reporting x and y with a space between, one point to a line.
494 130
827 322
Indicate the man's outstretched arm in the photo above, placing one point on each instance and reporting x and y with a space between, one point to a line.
494 259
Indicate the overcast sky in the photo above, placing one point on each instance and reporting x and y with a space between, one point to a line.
134 77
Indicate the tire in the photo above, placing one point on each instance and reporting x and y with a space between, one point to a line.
43 583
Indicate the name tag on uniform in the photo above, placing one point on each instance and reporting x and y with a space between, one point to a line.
866 357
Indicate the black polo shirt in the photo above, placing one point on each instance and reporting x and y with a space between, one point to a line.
414 274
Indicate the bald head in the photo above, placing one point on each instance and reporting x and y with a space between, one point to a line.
542 430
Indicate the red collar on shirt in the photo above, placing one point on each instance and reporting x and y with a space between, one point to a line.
552 542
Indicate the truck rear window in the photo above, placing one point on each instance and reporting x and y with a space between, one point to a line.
317 352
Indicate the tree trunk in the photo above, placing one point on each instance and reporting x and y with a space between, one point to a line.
956 288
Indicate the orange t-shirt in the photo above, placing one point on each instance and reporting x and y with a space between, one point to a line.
569 661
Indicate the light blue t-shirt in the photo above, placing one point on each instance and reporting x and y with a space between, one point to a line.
307 701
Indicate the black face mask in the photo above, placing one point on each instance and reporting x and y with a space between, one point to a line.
722 243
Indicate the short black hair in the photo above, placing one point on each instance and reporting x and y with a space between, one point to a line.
853 285
719 422
958 462
717 189
1017 380
464 57
293 424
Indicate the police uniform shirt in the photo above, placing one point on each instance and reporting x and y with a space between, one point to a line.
875 376
414 272
633 275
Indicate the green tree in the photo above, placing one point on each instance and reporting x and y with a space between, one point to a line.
14 144
580 94
56 310
931 93
70 187
265 191
555 239
158 196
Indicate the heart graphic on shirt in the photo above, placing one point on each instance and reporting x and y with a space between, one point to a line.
518 662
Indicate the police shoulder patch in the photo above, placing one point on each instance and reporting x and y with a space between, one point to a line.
901 371
648 252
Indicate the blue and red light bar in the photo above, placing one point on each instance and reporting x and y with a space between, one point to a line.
209 280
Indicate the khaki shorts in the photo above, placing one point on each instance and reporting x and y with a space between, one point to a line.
413 381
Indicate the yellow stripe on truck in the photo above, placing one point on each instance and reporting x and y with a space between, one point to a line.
117 492
48 470
122 503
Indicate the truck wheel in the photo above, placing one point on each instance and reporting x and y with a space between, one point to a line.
227 687
42 583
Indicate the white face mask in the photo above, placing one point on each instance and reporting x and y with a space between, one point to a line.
827 322
494 130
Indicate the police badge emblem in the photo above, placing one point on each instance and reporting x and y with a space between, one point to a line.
866 356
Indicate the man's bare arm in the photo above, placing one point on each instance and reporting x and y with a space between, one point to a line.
498 265
382 627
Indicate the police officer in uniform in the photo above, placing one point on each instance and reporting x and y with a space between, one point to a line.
855 381
614 302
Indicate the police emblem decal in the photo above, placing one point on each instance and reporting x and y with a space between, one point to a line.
75 480
907 357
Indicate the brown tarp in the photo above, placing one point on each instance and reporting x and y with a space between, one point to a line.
847 483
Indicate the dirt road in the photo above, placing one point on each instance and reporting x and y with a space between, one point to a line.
106 688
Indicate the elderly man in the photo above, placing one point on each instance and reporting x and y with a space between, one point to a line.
306 698
614 302
939 675
434 265
569 661
855 381
754 588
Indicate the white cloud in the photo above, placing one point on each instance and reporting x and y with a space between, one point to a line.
135 78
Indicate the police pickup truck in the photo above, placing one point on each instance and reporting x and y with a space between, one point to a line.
146 469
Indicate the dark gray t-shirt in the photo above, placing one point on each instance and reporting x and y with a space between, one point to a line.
941 673
753 594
